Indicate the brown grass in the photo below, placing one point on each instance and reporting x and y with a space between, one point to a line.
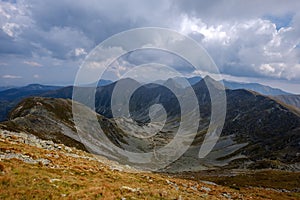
78 178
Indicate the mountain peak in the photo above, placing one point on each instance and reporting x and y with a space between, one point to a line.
173 83
127 81
195 79
207 81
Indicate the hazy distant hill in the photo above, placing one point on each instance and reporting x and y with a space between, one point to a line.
2 88
263 89
10 97
101 82
29 90
293 100
260 88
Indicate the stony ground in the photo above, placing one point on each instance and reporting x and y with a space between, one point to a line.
31 168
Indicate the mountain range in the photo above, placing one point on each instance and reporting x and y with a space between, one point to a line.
263 89
260 88
10 96
259 131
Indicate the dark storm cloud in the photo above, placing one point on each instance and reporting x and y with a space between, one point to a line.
141 57
9 46
60 27
244 38
88 17
222 10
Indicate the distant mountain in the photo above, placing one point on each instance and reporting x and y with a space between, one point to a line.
180 81
101 82
293 100
263 89
194 80
65 93
2 88
11 97
29 90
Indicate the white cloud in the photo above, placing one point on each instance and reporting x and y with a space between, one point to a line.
80 51
8 76
196 26
240 36
10 29
3 64
33 64
36 76
252 47
3 13
102 57
267 68
14 18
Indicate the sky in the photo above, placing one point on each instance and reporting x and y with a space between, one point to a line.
250 41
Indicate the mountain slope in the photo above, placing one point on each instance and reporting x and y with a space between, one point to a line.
49 119
31 168
257 130
293 100
52 119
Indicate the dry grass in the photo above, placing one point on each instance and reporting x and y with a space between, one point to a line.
67 177
265 182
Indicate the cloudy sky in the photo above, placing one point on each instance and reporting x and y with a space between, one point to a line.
251 41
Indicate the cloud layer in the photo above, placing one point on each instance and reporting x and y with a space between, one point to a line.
255 39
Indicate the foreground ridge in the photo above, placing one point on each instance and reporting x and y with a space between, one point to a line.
38 168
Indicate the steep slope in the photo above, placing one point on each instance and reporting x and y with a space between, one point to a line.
104 94
259 132
49 119
271 128
52 119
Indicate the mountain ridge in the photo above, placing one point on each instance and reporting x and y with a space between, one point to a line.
263 89
257 128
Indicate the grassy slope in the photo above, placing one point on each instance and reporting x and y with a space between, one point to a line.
67 177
